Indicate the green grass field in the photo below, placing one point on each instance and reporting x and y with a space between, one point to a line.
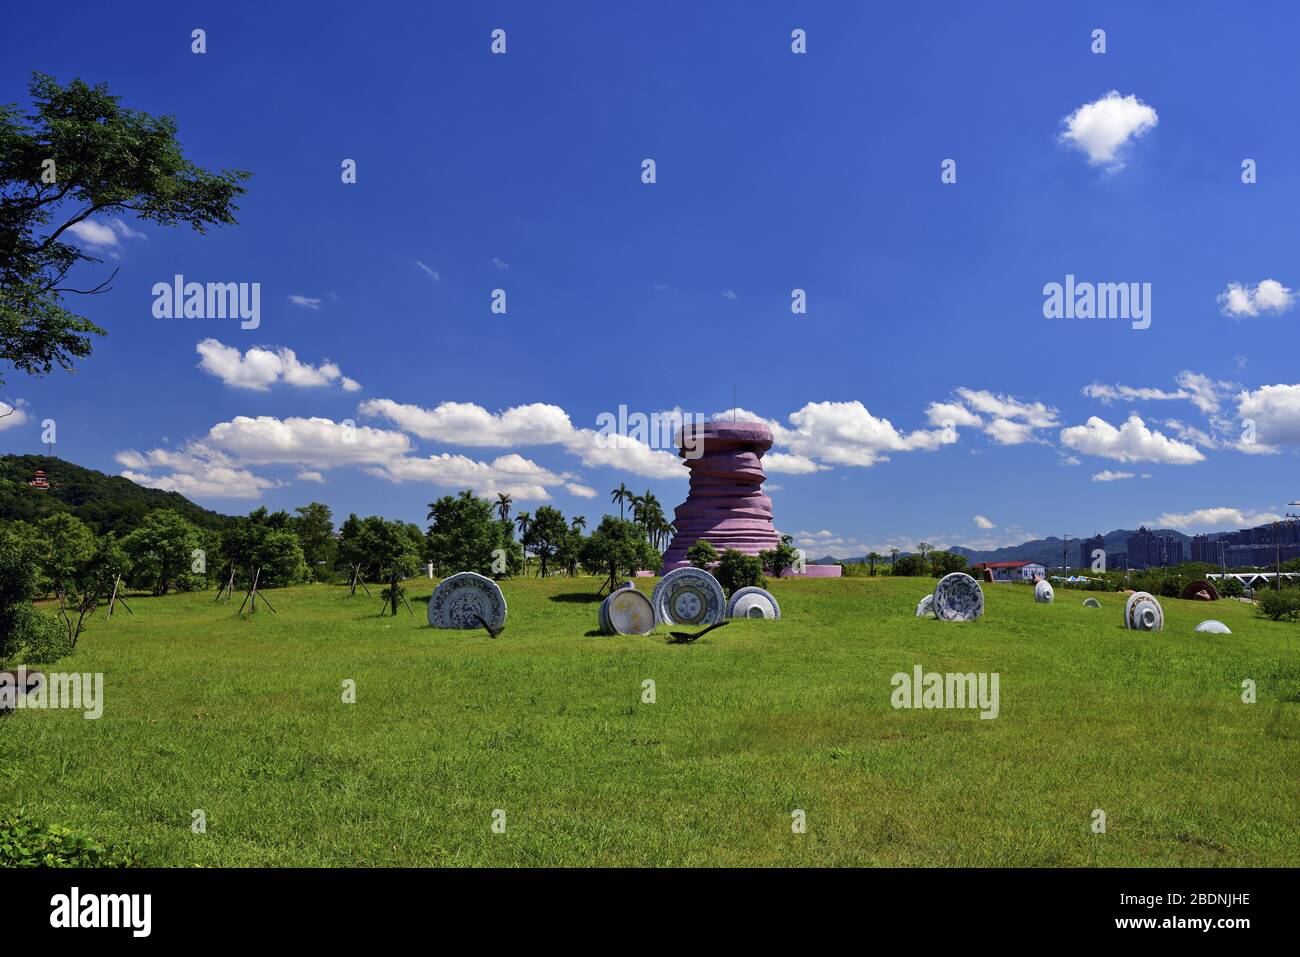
244 719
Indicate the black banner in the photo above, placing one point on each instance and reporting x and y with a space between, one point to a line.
331 906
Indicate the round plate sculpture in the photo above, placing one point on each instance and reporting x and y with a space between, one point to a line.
629 612
958 597
1143 613
1200 590
1043 593
1091 603
458 599
688 596
1214 627
753 602
925 607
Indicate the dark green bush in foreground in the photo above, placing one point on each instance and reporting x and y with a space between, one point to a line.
28 843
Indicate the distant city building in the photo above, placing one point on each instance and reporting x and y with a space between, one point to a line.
1209 550
39 480
1089 546
1253 547
1014 571
1146 549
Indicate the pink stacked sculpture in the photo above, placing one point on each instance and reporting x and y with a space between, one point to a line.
726 505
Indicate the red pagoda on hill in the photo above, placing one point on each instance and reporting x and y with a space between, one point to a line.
39 480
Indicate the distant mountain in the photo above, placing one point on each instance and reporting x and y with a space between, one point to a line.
1048 551
107 503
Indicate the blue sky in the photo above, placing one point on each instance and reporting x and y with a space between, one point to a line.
923 395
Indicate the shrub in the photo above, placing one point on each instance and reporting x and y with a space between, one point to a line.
25 842
41 637
1281 605
1230 588
702 554
737 570
909 565
778 559
24 631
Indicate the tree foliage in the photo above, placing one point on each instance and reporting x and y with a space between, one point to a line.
777 560
702 554
80 153
617 549
736 570
464 531
546 534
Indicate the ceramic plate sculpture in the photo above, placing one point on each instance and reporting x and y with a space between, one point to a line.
459 598
1043 593
753 602
1091 603
925 607
602 618
1200 590
958 597
629 612
1214 627
1143 613
688 596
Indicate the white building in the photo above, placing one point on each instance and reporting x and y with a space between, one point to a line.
1012 571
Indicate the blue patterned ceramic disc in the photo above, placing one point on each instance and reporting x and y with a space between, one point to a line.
925 607
958 597
459 598
689 596
753 602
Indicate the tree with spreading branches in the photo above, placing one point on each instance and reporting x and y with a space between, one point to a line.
79 154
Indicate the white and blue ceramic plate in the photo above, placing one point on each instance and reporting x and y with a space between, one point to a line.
958 597
753 602
459 598
688 596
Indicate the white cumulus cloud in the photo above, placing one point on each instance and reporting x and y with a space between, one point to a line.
1102 128
259 368
12 414
1131 442
1274 413
1239 300
1222 517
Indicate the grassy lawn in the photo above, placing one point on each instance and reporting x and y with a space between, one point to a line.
243 718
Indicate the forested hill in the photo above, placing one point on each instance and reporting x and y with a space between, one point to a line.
107 503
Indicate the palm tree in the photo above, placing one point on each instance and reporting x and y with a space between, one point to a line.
579 523
638 509
504 502
923 548
652 518
874 557
523 519
620 495
893 554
